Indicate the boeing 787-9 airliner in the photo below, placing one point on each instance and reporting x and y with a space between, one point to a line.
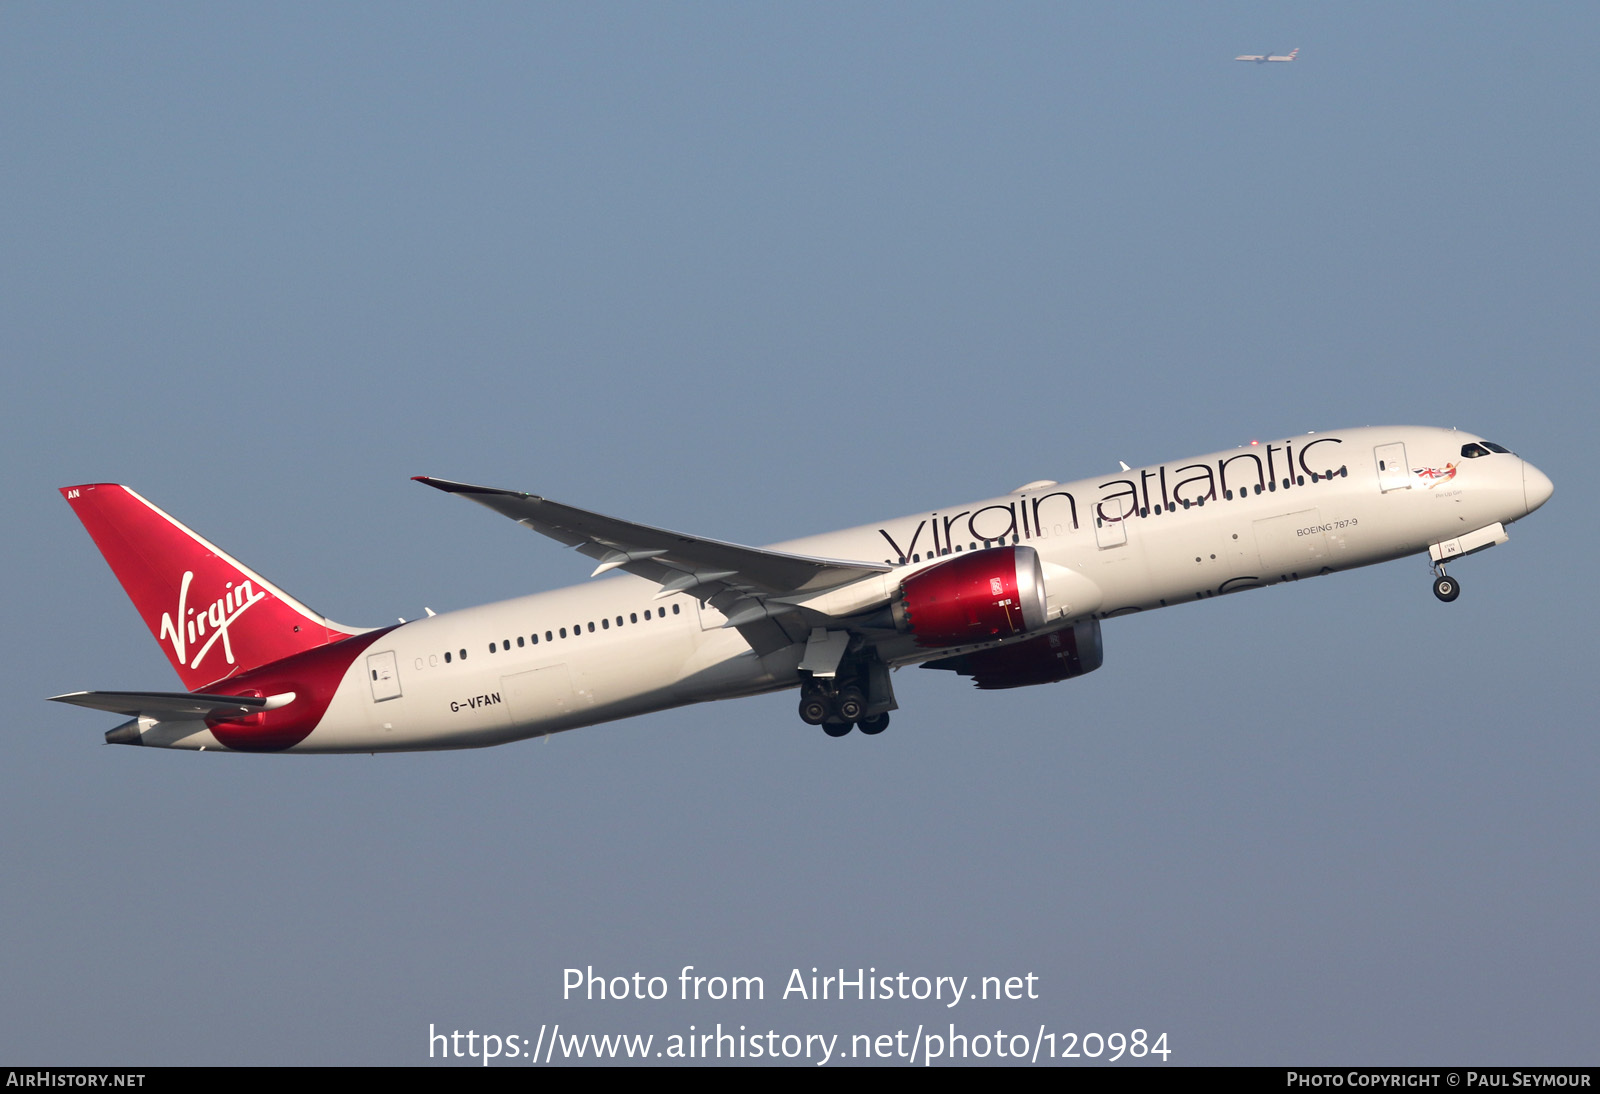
1010 591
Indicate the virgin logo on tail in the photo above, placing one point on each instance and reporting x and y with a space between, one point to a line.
193 624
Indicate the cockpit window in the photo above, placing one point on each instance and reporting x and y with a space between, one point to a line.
1473 451
1492 447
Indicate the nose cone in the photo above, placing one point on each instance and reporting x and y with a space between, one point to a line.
1536 486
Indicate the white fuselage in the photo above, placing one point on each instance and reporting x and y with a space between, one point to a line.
1110 545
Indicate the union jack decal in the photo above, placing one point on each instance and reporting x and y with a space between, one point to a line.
1433 476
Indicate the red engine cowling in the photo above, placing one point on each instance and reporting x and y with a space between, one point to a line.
1059 655
977 597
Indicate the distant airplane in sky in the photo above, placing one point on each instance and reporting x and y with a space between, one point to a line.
1009 591
1263 58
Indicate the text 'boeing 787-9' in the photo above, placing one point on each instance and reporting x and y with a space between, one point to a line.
1010 591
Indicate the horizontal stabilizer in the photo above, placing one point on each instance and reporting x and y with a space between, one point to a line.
171 705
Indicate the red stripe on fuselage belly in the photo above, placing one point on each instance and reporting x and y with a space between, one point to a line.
313 676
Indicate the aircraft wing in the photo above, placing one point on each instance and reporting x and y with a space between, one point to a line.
165 705
675 561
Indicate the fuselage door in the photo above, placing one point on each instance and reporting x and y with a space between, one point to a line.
384 674
1393 471
1111 526
539 695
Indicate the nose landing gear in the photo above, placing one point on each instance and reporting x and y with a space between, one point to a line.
1445 587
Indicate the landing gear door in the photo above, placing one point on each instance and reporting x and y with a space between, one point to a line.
1393 471
384 674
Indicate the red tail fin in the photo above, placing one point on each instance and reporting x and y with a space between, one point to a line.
213 616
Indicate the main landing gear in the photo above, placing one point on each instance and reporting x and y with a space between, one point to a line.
838 710
1445 587
842 689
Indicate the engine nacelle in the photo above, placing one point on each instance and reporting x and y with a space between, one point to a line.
979 597
1059 655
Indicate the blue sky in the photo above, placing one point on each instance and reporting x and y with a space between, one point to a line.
757 271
